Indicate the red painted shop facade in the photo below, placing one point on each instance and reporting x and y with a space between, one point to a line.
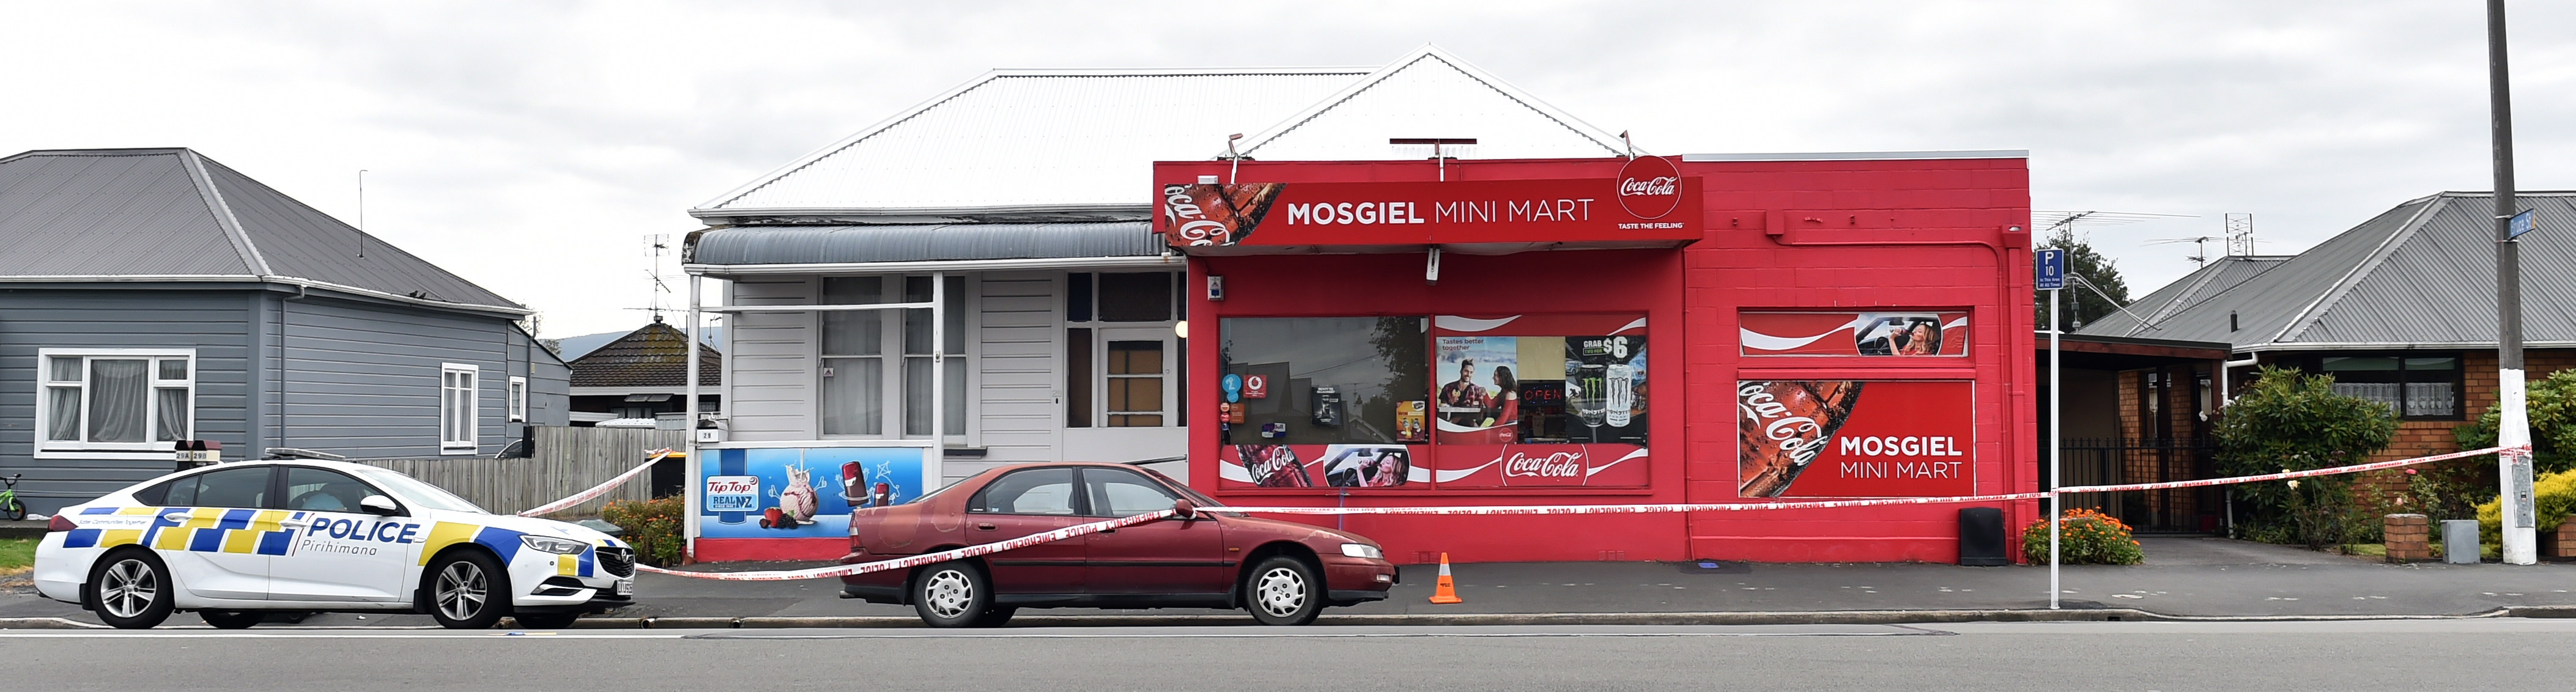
1612 331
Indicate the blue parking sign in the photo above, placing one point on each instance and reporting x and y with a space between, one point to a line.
2049 270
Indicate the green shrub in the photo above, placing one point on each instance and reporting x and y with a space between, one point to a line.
2553 497
654 527
2550 406
2288 421
2085 537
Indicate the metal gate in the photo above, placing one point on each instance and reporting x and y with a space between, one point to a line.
2105 461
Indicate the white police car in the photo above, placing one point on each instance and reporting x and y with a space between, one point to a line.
232 540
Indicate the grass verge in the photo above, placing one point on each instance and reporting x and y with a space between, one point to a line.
17 555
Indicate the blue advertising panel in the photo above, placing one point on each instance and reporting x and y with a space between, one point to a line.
801 492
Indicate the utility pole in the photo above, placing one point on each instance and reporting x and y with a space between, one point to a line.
2514 427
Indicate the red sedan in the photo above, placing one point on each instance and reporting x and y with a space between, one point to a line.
1204 557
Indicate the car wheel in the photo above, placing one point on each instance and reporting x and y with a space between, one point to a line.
232 619
952 594
996 616
1283 591
545 621
468 591
132 589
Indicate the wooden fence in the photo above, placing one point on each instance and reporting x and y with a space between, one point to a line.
563 461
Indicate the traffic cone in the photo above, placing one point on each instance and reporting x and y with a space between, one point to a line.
1447 592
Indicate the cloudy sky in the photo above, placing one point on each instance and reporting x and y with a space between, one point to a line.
530 146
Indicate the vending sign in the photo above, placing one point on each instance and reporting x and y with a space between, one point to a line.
1419 213
1854 438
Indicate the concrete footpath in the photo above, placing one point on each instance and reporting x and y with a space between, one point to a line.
2183 578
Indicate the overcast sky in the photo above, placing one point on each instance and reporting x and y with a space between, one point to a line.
529 146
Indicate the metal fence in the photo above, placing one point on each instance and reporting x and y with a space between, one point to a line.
563 461
2106 461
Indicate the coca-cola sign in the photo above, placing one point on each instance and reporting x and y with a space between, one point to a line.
1650 187
1847 438
1521 464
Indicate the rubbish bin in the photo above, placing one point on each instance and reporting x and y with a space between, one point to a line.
1981 537
2460 541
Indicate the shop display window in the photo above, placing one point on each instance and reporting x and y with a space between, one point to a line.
1434 402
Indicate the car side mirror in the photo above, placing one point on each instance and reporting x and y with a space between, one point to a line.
379 505
1185 509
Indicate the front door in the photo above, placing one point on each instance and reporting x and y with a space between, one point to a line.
1019 504
342 553
1169 557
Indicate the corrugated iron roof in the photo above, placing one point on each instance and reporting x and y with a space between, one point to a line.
921 242
2420 274
656 355
1078 141
172 213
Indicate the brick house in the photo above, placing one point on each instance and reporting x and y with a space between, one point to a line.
2400 309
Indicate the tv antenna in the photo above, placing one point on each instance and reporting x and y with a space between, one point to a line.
2200 256
2240 235
656 247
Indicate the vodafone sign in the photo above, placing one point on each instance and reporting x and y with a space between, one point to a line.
1650 187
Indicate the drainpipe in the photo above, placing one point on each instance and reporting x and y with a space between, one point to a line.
2229 367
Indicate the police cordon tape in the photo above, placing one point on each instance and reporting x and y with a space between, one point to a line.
1096 527
598 490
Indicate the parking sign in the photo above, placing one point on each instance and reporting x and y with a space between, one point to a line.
2050 269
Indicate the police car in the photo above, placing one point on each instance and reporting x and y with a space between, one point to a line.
233 540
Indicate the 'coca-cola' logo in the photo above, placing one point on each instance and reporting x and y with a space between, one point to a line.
1555 465
1650 187
1801 437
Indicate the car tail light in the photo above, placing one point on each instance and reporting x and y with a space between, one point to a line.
58 523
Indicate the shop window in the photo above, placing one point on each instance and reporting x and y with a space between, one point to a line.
1123 297
853 362
1326 380
1540 389
116 399
2426 388
917 358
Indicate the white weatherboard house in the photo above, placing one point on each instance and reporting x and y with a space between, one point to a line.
1018 204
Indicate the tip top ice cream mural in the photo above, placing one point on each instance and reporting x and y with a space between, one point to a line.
802 492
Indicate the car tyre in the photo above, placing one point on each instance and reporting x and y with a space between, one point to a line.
952 594
468 590
232 619
996 616
545 621
1283 590
132 589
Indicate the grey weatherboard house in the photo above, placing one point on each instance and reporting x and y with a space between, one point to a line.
153 295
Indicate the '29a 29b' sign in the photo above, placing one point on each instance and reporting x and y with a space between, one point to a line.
1648 201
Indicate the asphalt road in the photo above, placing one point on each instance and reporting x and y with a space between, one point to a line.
2494 653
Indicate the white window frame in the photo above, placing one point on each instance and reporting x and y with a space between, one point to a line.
518 399
893 360
58 449
454 436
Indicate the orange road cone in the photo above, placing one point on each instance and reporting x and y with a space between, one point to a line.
1447 592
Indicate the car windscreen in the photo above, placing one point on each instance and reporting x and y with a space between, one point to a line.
417 492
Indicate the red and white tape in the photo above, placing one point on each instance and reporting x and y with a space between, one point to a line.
1096 527
924 558
598 490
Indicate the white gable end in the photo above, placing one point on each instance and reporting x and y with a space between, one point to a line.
1430 94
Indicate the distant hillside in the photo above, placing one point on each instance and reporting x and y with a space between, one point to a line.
576 346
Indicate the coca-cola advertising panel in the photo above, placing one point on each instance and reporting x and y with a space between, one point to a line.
1856 438
1635 207
1606 465
1320 466
1891 333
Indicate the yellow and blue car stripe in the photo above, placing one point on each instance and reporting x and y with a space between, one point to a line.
199 529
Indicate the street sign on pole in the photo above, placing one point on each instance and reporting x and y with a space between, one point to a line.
2049 269
2520 224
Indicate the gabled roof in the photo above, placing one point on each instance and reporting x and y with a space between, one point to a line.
1073 145
174 215
2419 275
655 356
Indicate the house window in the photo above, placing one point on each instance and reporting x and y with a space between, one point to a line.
116 399
2415 387
1123 358
853 358
518 399
457 409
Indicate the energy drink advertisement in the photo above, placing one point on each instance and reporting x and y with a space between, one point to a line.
802 492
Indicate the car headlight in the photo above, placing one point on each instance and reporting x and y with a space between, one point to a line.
559 546
1363 550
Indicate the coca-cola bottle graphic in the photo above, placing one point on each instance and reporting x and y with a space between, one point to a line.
1216 214
1274 466
1783 426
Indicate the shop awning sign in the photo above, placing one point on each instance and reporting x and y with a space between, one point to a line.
1655 208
